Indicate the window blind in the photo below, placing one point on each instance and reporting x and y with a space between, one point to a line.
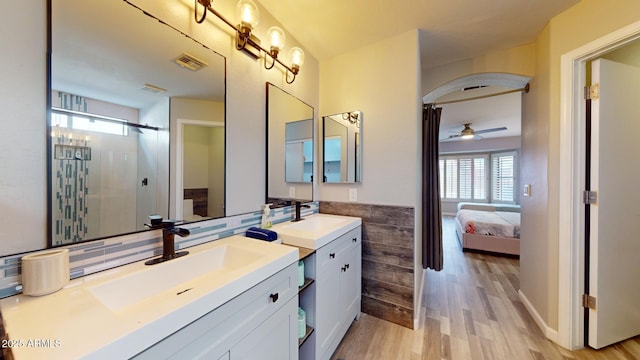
503 177
463 177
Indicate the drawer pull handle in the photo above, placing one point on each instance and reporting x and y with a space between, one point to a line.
355 240
274 297
347 266
332 255
343 269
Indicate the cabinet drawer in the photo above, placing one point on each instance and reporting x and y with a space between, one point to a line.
328 254
346 241
353 237
216 332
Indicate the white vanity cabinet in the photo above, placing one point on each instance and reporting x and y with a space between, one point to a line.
260 323
338 290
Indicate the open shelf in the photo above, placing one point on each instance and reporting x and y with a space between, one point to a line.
304 252
307 282
306 336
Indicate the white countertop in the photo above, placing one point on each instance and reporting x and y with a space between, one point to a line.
315 231
72 323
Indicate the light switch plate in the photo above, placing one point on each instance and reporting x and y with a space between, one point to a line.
292 191
527 190
353 194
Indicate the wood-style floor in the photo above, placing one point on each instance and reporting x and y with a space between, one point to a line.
470 310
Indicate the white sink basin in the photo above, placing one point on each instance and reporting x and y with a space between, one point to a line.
174 276
315 230
315 223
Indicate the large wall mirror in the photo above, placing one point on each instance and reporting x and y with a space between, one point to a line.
342 147
289 147
120 79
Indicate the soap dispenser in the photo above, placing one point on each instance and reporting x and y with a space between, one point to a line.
266 217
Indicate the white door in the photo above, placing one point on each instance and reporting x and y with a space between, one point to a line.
614 278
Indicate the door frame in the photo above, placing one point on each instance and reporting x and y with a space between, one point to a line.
178 187
572 159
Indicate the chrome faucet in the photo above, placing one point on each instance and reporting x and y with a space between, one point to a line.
298 205
169 231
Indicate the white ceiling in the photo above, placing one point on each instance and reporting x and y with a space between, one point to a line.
111 56
492 112
452 29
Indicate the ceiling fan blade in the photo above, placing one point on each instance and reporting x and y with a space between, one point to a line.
450 137
447 139
490 130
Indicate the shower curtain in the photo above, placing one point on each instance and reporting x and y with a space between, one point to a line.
431 212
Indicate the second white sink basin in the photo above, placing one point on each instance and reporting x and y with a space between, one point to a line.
315 230
172 276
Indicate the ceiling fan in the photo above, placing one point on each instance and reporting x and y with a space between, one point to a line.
470 133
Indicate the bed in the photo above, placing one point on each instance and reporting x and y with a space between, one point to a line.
493 228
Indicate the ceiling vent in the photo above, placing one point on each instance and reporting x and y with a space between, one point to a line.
190 62
474 87
153 89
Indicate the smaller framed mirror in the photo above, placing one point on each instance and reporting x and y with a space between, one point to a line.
342 147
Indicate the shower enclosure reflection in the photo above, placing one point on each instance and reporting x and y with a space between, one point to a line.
97 161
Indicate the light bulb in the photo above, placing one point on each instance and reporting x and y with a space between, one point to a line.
467 136
297 57
247 12
276 37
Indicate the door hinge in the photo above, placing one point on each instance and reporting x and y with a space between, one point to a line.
589 197
588 301
592 92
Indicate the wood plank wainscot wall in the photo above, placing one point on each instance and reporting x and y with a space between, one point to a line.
387 258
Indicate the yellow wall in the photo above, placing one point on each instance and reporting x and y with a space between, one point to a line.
535 251
383 81
519 60
577 26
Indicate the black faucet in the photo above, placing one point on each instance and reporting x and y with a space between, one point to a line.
298 205
169 231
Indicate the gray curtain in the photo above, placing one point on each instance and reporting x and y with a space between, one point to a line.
431 213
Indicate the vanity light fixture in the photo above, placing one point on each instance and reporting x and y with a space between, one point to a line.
248 15
352 117
277 39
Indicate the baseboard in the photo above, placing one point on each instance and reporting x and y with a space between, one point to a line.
418 307
550 333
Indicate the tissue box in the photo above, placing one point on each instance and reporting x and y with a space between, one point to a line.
261 234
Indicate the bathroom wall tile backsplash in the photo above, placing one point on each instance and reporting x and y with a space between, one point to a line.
91 257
